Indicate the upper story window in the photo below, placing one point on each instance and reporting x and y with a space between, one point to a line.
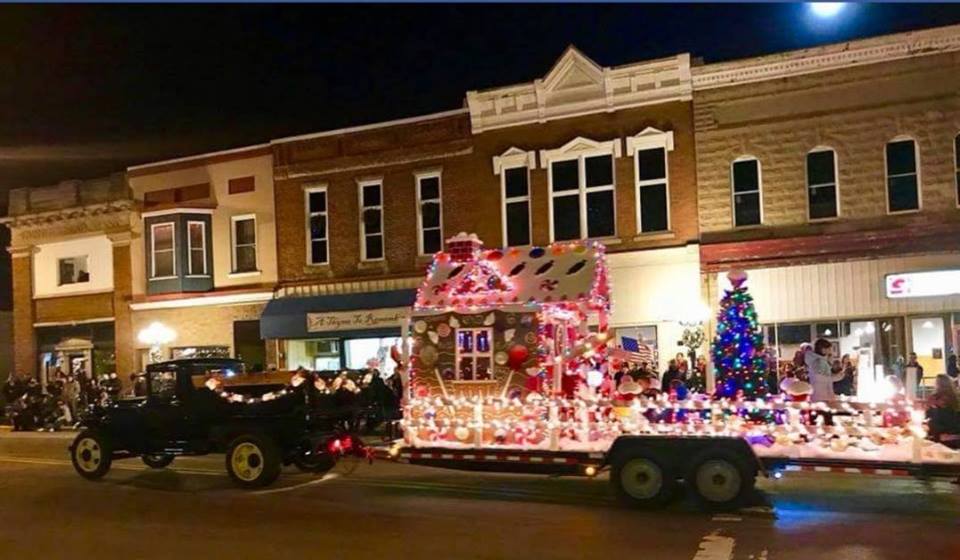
197 248
371 221
513 167
582 189
956 165
244 238
903 178
163 250
747 196
649 149
429 213
822 197
239 185
317 241
72 270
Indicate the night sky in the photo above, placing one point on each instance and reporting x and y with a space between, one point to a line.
85 91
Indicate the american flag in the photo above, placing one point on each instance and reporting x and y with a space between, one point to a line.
631 350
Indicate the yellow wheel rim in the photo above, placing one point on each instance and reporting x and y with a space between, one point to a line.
88 454
247 461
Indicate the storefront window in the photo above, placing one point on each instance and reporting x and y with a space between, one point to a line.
314 354
360 351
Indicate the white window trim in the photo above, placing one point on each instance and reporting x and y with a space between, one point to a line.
733 193
419 176
307 191
474 354
153 250
233 244
651 139
203 240
835 184
59 259
579 149
916 171
362 226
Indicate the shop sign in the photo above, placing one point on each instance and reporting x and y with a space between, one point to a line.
923 284
353 320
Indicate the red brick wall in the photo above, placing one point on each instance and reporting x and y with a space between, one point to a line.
24 341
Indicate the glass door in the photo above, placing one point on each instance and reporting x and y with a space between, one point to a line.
928 337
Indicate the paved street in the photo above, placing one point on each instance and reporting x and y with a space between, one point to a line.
391 511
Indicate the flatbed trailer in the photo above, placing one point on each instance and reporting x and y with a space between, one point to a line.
645 471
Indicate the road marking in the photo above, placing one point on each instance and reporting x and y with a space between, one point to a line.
324 478
715 547
725 517
121 467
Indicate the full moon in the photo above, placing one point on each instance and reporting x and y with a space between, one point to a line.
826 9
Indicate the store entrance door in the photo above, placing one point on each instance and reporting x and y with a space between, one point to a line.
928 339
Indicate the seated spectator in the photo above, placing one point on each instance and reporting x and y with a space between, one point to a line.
943 413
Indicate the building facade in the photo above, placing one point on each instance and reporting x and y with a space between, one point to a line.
831 176
203 256
70 248
584 152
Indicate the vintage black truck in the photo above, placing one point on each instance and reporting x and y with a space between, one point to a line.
180 414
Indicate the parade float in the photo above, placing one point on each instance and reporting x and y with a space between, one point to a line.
509 351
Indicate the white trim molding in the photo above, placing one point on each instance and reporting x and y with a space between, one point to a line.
578 147
419 176
829 57
514 157
649 138
179 210
77 322
361 185
309 189
233 243
226 299
576 85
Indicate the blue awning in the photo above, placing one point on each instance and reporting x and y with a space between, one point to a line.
287 317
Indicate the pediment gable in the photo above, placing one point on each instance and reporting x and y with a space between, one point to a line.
573 70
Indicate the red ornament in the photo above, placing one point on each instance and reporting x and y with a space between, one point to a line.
517 355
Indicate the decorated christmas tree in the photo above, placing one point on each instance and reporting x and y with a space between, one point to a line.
738 357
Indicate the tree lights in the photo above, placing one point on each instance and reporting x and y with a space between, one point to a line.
738 357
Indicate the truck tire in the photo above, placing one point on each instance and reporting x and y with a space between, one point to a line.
317 463
91 454
641 479
253 461
157 460
720 479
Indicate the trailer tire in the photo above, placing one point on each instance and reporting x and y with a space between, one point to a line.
91 454
157 460
641 479
720 479
253 461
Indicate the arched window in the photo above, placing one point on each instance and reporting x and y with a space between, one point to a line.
823 201
745 182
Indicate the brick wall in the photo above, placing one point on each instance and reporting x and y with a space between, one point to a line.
74 308
123 328
854 111
471 199
24 339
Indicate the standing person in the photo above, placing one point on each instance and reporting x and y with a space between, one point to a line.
913 363
819 371
673 372
71 395
682 364
952 370
843 367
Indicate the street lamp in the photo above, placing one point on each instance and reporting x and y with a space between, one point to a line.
156 335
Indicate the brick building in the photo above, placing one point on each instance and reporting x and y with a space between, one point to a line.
203 256
830 174
70 248
586 151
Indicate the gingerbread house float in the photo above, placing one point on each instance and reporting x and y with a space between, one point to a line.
486 321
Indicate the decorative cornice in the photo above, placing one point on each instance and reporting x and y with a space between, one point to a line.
830 57
76 213
578 86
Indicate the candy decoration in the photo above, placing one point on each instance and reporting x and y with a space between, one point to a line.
517 355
